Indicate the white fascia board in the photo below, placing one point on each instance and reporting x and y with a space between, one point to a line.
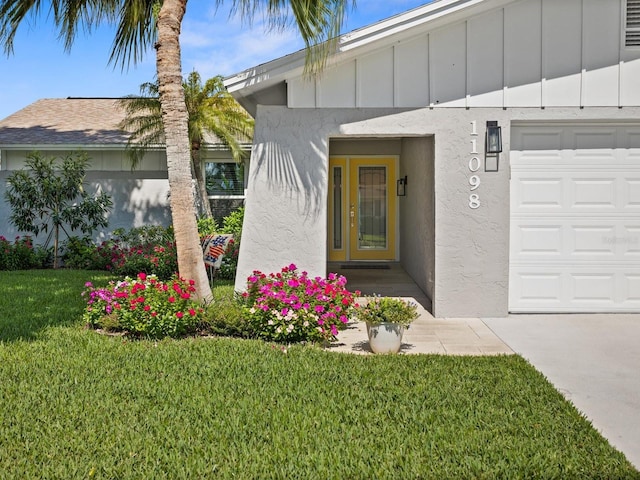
292 65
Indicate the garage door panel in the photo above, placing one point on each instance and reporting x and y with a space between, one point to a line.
593 193
575 219
575 192
591 241
574 240
539 193
537 240
632 288
567 289
631 193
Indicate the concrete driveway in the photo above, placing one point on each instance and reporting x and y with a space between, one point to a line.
593 360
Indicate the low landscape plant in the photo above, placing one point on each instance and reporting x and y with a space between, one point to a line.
231 224
83 254
289 306
144 306
21 254
378 309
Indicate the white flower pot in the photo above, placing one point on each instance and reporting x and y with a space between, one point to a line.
385 337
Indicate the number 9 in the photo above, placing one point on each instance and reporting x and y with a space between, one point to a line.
474 181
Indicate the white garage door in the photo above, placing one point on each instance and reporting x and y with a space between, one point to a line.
575 219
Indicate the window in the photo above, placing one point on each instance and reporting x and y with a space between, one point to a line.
224 179
632 24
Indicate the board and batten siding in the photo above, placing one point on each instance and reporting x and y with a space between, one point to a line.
531 53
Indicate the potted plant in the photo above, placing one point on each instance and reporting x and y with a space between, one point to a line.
386 319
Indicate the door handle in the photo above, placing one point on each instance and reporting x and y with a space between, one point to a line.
352 214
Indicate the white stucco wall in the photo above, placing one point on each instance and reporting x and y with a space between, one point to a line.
417 212
286 205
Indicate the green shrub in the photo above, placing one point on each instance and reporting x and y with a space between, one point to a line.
225 315
145 307
23 255
232 224
83 254
207 226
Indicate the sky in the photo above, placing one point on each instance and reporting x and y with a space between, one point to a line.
213 43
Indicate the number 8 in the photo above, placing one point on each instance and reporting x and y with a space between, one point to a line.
474 201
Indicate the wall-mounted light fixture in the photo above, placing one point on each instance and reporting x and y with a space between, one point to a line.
492 146
402 187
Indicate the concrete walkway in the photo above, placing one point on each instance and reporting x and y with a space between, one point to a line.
450 336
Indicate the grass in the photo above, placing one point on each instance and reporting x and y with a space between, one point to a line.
75 404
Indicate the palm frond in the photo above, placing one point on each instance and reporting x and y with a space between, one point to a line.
318 21
212 112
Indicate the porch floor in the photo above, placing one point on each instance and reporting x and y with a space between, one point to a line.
429 335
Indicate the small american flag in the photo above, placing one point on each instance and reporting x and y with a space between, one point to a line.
213 249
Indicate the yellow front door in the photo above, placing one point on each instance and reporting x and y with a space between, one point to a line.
362 208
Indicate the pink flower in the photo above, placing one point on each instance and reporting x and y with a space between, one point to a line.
334 330
171 299
147 308
192 312
142 276
179 314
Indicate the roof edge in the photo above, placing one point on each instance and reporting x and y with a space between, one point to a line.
293 63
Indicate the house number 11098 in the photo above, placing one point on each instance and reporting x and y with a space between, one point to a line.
474 166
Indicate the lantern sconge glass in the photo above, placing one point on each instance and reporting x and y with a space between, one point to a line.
402 187
492 146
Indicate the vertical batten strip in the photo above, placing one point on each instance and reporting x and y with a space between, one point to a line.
583 59
428 79
543 70
623 13
430 74
467 81
394 70
358 91
504 59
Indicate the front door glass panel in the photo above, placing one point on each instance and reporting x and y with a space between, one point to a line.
372 208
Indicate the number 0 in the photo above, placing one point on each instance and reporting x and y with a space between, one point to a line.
474 164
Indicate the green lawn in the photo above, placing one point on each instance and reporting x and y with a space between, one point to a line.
75 404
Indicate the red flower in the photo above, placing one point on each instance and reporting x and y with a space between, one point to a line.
171 299
179 314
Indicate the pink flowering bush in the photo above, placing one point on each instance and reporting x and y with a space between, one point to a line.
289 306
21 254
145 306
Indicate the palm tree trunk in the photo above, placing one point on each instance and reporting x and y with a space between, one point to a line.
175 120
201 185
